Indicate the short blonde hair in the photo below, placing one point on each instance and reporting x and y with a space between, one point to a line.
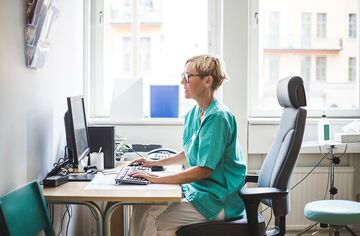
208 65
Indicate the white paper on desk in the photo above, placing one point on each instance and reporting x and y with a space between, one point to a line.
352 127
102 181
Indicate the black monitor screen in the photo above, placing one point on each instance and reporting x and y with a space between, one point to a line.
76 129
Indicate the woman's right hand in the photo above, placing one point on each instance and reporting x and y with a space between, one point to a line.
146 162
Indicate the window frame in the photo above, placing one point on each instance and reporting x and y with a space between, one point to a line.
254 74
352 33
321 68
306 29
352 69
321 25
93 57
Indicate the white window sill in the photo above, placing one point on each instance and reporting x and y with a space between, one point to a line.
262 132
311 121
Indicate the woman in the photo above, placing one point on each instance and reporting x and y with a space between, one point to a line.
216 164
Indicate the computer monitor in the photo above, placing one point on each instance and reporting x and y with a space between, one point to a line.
77 137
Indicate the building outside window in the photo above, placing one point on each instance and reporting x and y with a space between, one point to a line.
321 68
352 69
321 25
352 26
322 61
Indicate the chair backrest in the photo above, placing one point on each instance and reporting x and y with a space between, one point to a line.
281 159
23 212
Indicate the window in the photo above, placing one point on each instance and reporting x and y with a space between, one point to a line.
306 71
127 45
321 25
352 68
145 54
273 68
273 29
352 26
306 30
140 43
282 44
321 68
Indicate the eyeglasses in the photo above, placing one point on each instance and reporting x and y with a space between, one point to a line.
186 76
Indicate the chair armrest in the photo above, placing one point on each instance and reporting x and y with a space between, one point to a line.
252 198
262 193
251 178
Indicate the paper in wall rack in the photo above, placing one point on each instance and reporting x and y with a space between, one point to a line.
40 21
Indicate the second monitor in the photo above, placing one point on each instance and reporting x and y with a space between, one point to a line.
77 137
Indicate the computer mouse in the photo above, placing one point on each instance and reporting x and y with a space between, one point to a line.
91 171
157 168
135 164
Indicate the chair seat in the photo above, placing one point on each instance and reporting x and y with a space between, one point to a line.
223 228
333 212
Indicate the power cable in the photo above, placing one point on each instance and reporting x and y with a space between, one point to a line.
317 164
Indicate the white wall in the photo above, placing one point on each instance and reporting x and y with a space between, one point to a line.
236 56
33 101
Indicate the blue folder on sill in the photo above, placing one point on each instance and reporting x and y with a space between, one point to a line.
164 101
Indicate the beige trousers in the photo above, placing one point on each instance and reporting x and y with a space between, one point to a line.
164 220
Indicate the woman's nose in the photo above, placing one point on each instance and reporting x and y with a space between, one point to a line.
182 81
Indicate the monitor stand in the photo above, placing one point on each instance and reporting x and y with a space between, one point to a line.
81 177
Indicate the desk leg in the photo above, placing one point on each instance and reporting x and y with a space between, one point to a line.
93 208
126 219
110 208
98 216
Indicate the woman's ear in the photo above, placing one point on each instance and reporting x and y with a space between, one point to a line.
208 81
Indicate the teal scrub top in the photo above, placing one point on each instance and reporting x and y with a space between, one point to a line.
213 144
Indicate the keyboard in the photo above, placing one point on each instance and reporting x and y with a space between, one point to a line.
123 178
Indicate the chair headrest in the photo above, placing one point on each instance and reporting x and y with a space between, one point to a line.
290 92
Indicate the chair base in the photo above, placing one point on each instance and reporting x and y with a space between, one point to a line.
333 230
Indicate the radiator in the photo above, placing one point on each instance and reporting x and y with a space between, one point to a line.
313 188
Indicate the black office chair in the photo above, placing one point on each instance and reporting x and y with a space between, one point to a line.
274 178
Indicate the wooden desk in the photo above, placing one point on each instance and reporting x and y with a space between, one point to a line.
77 193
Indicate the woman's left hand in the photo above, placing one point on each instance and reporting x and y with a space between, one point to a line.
149 176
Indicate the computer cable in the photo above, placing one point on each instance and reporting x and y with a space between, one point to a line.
91 210
69 211
61 223
329 168
61 166
317 165
345 149
133 150
300 181
327 182
267 225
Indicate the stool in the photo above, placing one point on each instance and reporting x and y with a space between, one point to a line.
336 213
